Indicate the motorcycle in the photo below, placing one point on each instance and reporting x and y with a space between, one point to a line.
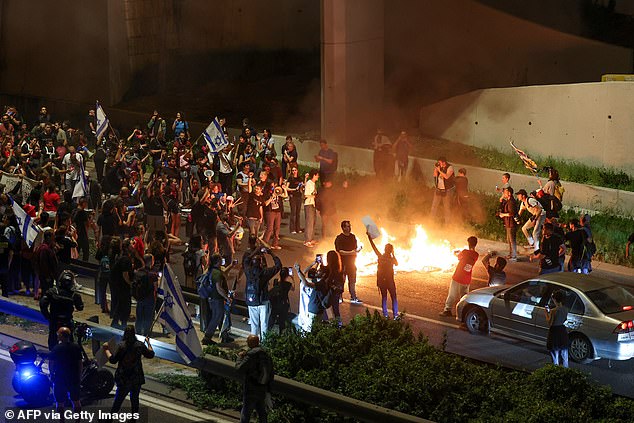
29 380
95 382
34 385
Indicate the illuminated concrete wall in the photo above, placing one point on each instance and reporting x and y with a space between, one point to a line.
585 197
591 123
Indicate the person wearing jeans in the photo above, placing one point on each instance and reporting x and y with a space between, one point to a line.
257 288
293 187
508 214
310 191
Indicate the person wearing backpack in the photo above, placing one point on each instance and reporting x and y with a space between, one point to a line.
538 217
212 288
129 375
144 287
256 291
256 366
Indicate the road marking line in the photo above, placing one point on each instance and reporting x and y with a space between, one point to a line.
424 319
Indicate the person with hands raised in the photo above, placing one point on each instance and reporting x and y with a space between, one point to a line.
385 276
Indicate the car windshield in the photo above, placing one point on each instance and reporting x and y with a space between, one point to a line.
614 299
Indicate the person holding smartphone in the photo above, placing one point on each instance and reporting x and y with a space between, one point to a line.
557 341
278 295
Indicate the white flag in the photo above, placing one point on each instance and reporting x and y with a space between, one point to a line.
102 122
175 316
215 137
26 224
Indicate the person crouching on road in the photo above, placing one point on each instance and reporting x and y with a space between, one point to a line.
461 278
257 289
65 360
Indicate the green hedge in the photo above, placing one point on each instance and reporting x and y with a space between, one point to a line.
381 361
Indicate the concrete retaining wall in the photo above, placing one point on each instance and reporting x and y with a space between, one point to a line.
590 123
586 197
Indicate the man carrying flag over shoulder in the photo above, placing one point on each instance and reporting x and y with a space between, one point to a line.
174 315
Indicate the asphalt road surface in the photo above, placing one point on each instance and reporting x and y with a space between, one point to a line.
154 406
421 297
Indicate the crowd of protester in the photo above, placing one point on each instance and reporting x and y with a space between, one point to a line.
143 188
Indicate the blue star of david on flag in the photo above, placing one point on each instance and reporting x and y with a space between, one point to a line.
176 318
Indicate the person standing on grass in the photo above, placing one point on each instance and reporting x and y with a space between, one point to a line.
385 277
461 278
630 240
508 213
444 182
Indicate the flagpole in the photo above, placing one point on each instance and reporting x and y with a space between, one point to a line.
158 314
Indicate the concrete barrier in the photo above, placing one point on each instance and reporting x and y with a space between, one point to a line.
584 197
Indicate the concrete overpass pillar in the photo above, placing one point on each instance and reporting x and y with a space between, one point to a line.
352 70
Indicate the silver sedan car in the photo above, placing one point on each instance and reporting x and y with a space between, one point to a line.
600 319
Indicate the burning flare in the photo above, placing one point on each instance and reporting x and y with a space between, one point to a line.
419 254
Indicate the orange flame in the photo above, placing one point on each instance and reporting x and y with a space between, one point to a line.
419 254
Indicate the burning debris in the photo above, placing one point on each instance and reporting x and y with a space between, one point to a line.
418 254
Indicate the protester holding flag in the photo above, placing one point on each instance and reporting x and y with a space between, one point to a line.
175 316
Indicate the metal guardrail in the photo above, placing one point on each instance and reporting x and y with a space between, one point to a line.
288 388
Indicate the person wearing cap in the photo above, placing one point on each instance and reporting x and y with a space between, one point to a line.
65 364
536 222
444 182
58 304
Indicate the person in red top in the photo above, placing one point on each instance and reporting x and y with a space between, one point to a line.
462 276
51 201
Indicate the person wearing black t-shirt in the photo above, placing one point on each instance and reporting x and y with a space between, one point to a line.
294 186
551 247
576 239
65 363
120 283
630 240
255 212
153 207
347 247
278 295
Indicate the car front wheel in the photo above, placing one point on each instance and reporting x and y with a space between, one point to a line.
580 349
476 321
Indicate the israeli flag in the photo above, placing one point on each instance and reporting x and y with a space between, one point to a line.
26 224
215 137
175 316
81 187
102 122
